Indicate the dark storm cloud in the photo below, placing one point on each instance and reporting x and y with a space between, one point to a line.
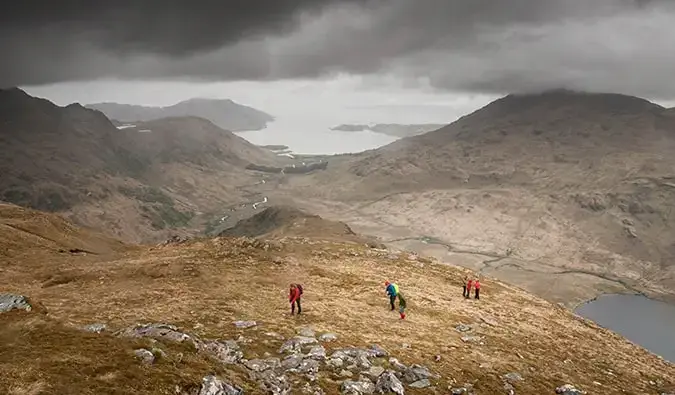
473 45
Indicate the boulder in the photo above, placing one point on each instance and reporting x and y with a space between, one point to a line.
157 331
415 373
309 366
211 385
374 372
335 363
350 387
377 351
13 302
146 356
387 383
227 352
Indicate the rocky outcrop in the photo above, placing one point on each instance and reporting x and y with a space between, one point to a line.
10 302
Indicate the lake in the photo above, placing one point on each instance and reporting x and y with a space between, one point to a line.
647 322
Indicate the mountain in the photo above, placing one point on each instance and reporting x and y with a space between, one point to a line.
225 114
566 194
180 318
138 183
392 129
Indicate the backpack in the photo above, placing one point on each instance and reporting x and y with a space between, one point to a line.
299 288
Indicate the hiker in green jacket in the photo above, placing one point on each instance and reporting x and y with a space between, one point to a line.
401 305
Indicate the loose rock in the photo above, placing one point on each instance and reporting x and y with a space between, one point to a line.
317 352
145 355
568 389
157 331
346 373
357 387
335 363
388 383
375 372
11 302
463 328
227 352
513 377
416 373
328 337
245 324
306 332
259 365
273 383
292 361
377 351
424 383
396 364
211 385
95 328
295 344
309 366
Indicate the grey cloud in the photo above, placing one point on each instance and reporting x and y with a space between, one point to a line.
479 45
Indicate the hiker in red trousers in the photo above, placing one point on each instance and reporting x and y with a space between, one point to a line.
477 288
468 288
294 294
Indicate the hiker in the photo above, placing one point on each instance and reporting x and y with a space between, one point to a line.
477 288
468 288
401 305
466 280
294 295
392 291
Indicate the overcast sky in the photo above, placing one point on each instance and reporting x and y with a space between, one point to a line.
367 52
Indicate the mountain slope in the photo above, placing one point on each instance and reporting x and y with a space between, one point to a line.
204 287
139 183
225 114
548 191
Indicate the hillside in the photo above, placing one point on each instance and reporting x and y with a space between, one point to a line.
566 194
227 300
139 183
286 221
225 114
392 129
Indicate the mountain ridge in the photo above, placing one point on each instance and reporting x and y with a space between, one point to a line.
224 113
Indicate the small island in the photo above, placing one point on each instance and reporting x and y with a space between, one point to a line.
391 129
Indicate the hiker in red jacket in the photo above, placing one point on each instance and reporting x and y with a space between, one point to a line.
477 288
294 297
468 288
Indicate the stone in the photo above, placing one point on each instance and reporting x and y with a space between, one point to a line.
345 373
424 383
317 352
350 387
259 365
145 356
306 332
513 377
13 302
363 362
158 331
396 364
245 324
568 389
463 328
309 366
227 352
375 372
472 339
459 391
95 328
387 383
416 373
510 390
437 358
312 390
377 351
295 344
335 362
328 337
292 361
211 385
272 383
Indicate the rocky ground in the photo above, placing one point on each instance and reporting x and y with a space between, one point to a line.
211 317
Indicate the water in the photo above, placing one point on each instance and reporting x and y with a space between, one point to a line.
647 322
304 137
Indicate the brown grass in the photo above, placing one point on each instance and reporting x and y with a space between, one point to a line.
214 282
